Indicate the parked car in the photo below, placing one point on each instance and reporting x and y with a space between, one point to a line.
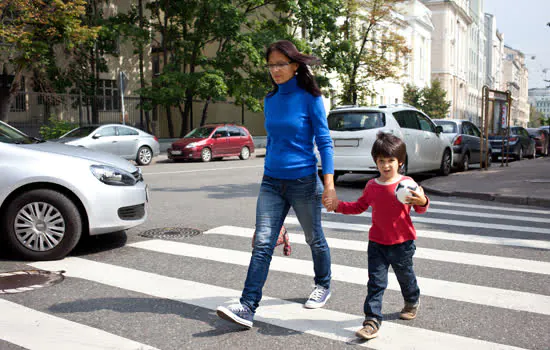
353 130
547 129
213 142
541 140
466 140
52 194
123 140
519 144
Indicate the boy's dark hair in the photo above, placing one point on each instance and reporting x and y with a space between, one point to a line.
388 145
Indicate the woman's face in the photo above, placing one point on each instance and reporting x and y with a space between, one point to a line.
280 67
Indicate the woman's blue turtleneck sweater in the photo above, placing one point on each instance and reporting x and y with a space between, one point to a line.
293 119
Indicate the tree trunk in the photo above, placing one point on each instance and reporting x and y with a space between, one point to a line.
169 119
205 111
142 77
186 113
7 95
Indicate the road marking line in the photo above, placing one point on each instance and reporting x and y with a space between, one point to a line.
489 215
482 260
513 242
324 323
507 299
476 206
33 329
201 170
460 223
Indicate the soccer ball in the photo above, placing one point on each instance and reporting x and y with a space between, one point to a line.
403 189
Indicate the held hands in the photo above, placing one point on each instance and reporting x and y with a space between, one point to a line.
417 197
330 199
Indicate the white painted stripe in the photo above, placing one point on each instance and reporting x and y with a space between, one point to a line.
461 223
202 170
33 329
492 261
476 206
514 242
507 299
488 215
324 323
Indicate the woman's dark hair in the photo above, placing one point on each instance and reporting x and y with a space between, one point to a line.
388 145
305 79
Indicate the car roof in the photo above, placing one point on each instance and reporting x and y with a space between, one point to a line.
380 108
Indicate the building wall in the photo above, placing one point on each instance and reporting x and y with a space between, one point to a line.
516 78
540 100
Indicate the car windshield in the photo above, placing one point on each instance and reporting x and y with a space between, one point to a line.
12 135
80 132
199 133
448 127
352 121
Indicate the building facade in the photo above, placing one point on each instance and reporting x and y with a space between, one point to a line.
516 77
494 51
539 98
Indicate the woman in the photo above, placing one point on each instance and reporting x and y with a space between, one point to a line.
294 117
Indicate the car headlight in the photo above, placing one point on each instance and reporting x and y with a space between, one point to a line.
112 176
191 145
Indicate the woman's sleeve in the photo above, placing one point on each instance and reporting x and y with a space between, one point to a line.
322 134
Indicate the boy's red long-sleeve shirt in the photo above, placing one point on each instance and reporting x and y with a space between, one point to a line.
391 220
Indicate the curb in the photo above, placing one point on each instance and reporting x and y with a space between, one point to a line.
530 201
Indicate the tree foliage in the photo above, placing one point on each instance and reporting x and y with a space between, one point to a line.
431 100
367 47
30 31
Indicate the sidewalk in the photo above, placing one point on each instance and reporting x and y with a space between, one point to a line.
526 182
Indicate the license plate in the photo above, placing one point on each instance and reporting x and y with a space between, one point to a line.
346 143
176 153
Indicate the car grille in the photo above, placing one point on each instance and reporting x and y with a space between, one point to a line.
135 212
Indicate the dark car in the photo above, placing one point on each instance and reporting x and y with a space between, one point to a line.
541 140
519 144
213 141
465 138
547 129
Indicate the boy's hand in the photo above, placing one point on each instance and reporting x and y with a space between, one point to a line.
417 197
330 199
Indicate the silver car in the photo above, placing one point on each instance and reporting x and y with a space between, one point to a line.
124 141
52 194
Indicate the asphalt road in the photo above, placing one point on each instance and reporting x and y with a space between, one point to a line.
483 268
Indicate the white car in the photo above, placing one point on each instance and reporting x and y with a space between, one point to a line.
52 194
353 130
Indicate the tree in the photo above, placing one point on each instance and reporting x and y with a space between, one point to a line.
366 48
413 96
431 99
30 32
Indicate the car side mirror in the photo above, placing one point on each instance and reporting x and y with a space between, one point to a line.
438 129
96 136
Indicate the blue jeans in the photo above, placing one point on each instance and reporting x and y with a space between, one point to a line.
400 257
274 201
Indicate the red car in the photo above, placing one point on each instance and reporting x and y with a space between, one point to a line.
541 140
213 141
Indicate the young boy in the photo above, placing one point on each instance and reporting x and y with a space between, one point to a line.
392 234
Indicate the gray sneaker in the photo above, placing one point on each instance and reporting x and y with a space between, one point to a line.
318 298
237 313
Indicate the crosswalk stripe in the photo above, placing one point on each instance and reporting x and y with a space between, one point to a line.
488 215
491 207
514 242
324 323
507 299
434 221
498 262
33 329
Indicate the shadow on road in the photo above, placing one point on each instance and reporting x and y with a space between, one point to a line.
218 191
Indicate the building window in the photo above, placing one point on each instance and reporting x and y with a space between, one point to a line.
108 98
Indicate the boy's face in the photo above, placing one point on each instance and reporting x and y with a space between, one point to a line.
388 167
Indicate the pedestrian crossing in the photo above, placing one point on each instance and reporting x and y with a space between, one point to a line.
504 299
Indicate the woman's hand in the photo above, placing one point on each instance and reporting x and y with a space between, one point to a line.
330 199
417 197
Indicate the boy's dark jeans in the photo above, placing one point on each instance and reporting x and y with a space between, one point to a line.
399 256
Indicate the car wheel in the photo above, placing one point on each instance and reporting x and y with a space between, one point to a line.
465 164
144 156
445 168
42 225
206 155
520 154
245 153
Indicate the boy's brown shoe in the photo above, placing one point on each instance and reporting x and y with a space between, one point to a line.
409 311
369 330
